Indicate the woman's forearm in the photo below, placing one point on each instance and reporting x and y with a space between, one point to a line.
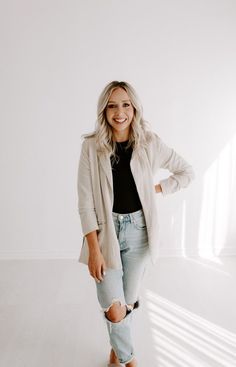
92 240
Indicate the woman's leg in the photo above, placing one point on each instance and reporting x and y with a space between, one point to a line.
135 256
111 298
118 292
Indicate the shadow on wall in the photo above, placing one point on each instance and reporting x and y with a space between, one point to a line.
217 231
208 230
182 338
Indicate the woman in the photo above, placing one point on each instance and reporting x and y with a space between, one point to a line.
117 208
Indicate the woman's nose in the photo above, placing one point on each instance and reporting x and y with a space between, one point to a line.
119 110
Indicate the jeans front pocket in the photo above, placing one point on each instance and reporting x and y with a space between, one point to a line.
140 222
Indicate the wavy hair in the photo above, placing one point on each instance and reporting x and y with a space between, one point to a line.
138 136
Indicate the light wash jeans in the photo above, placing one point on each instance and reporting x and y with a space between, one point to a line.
123 284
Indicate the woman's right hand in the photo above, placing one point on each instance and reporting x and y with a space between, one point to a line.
96 265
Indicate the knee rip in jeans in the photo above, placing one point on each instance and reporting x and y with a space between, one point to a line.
116 316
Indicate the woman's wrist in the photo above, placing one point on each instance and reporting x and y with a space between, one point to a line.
94 248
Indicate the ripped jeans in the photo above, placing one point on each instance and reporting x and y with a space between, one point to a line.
122 285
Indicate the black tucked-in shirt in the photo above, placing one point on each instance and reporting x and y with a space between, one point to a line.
126 198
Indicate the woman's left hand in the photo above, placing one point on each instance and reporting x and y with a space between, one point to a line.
158 188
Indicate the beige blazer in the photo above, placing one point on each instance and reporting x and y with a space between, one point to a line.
95 193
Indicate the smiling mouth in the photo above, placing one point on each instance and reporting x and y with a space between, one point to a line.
120 121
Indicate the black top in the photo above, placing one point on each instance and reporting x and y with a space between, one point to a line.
126 198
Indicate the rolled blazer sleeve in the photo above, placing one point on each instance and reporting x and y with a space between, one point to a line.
86 206
182 171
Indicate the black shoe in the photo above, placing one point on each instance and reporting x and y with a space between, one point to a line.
137 304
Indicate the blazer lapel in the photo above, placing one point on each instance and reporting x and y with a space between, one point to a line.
105 163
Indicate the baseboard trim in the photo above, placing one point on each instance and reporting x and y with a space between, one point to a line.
179 252
164 252
38 255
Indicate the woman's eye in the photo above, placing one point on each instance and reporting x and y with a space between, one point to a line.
113 106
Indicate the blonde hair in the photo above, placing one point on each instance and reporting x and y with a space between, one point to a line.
103 132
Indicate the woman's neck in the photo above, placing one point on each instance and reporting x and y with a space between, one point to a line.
121 141
120 136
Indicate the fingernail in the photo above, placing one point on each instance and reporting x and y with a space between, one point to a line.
104 273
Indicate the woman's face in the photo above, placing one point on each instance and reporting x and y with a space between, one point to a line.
119 114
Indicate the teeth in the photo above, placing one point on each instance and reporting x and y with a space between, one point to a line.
120 120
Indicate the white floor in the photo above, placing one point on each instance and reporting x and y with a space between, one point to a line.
50 316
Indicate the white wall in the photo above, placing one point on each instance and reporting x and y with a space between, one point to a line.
56 56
